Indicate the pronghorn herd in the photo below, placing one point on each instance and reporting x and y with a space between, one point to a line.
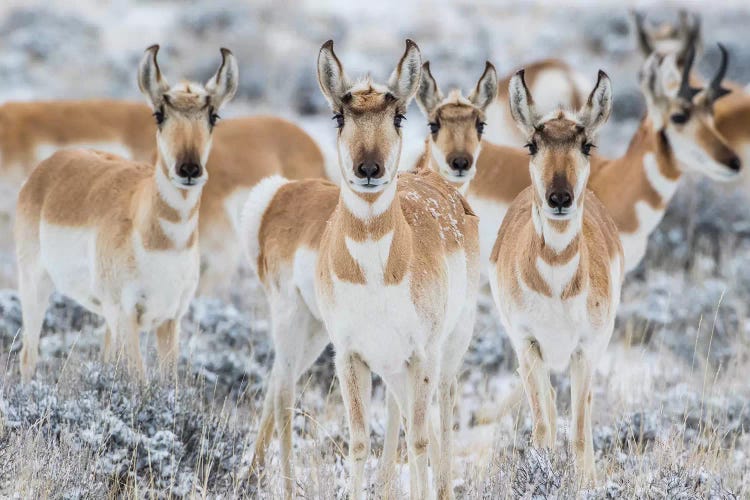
386 265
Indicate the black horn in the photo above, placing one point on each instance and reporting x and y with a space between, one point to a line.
644 40
686 91
690 32
715 90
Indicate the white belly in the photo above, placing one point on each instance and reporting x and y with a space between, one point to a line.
491 214
163 285
68 256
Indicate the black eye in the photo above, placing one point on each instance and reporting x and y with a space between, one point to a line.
397 120
213 118
434 127
532 148
480 127
680 118
159 116
339 120
586 148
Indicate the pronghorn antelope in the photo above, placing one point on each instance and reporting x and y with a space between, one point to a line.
732 113
553 81
557 266
676 134
456 125
121 237
244 151
392 275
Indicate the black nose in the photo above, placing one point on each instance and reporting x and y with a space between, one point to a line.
369 170
734 163
461 163
560 199
189 170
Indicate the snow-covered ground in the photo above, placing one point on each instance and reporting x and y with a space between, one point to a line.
671 411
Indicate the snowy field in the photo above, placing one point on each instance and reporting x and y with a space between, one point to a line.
672 398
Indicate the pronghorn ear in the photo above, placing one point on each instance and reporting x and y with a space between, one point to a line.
429 95
642 35
223 85
150 80
404 80
522 104
486 89
598 107
331 77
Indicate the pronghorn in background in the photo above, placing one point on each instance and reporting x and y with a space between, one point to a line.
121 237
456 125
676 135
244 150
731 114
554 82
392 274
557 266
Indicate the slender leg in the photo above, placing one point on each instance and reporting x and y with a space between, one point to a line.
168 347
34 290
387 469
265 429
580 401
108 351
356 386
535 378
126 336
298 340
283 405
421 384
447 399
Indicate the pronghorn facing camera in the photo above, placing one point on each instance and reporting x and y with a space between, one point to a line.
121 237
557 266
373 261
397 271
456 125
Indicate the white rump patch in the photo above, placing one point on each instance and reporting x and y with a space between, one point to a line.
252 214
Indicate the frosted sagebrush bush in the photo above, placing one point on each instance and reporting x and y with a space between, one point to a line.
153 436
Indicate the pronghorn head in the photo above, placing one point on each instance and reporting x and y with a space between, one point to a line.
559 145
368 117
185 116
669 38
685 114
456 122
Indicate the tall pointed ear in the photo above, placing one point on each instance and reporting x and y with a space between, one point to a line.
641 33
428 95
331 77
223 85
598 107
404 80
150 80
522 104
486 89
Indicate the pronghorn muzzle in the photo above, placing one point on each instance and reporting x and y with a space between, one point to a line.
460 163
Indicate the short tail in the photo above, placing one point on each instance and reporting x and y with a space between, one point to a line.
252 214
